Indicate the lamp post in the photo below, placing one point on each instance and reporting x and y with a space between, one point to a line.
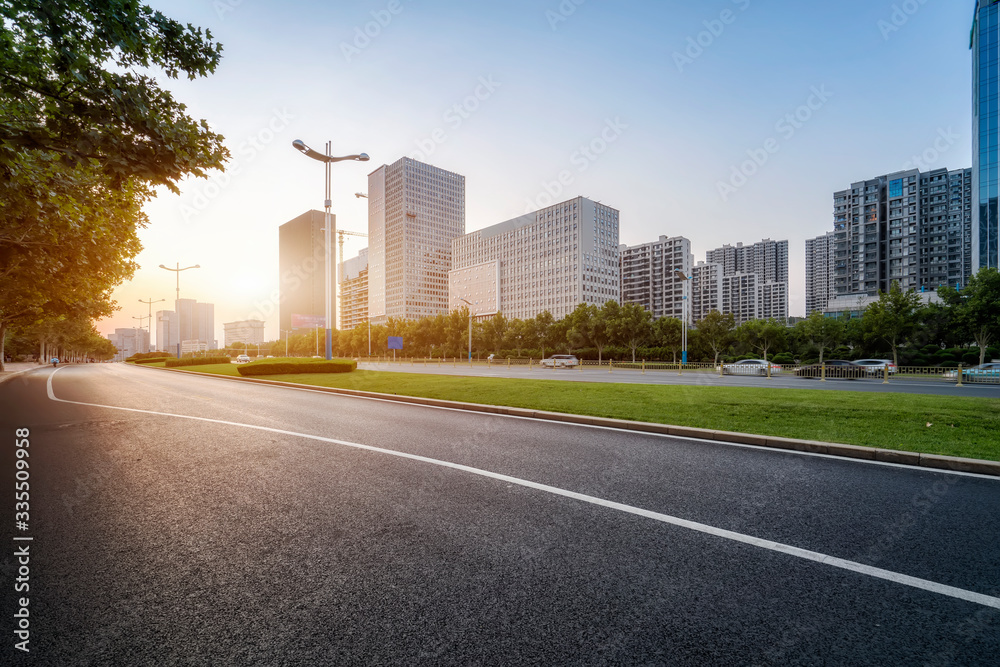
684 315
150 316
470 329
331 270
135 335
286 332
177 271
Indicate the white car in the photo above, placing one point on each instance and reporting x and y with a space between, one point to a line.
876 366
242 359
560 361
750 367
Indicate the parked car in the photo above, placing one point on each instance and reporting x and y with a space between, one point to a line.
560 361
876 366
242 359
988 372
750 367
835 368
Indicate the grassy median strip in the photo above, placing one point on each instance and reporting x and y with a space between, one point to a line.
966 427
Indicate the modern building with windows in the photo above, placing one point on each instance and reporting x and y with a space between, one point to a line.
550 260
649 276
250 332
754 281
190 323
353 277
129 342
415 210
302 272
706 289
819 272
909 227
985 46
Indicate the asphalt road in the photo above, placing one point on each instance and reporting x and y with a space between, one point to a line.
933 386
203 521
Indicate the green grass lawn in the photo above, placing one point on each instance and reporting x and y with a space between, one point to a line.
967 427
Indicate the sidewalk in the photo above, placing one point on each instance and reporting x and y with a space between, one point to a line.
16 368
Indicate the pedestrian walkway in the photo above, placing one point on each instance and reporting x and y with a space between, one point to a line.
16 368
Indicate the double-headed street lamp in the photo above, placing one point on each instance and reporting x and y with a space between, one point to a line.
150 316
329 232
470 328
177 302
684 314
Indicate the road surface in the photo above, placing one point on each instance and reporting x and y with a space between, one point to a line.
187 520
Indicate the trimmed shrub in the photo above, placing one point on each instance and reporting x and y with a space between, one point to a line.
294 366
149 356
150 361
197 361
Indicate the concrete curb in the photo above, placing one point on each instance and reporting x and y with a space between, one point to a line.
915 459
7 376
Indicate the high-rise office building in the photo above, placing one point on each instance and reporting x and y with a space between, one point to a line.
250 332
414 212
302 272
985 45
353 277
166 331
910 228
550 260
819 272
649 276
191 324
129 342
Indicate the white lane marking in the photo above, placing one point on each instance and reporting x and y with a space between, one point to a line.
860 568
615 429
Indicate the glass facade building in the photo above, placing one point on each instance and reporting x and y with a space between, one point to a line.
985 60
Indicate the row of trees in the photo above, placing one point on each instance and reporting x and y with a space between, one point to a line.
85 137
897 326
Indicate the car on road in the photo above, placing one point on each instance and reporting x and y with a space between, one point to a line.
560 361
988 372
242 359
876 366
835 368
750 367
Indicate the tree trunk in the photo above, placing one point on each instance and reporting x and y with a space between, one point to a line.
3 336
982 340
821 349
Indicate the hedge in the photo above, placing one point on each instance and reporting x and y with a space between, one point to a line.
197 361
148 356
293 366
153 360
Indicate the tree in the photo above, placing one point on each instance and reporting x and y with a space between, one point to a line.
517 335
762 335
591 326
668 332
716 331
821 331
541 325
977 308
632 327
69 87
892 318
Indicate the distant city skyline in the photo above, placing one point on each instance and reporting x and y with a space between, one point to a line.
715 121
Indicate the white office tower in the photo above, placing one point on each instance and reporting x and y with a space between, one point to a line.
550 260
414 212
649 276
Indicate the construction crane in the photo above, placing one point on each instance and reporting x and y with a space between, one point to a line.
342 233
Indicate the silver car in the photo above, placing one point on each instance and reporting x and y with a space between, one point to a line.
876 366
560 361
750 367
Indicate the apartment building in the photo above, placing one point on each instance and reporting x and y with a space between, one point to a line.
649 276
550 260
706 289
415 210
754 280
819 272
353 277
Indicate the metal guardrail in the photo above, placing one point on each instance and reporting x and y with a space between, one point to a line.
960 375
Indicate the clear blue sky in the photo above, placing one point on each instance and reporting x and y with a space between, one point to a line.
557 73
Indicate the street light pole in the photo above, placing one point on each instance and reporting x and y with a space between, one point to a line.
286 332
177 304
684 314
329 232
470 328
150 304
